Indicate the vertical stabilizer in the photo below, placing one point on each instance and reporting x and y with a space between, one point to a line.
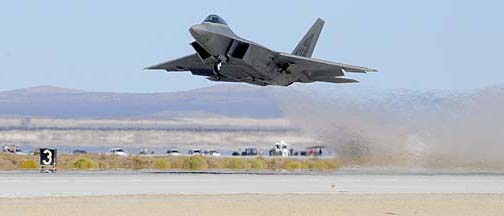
307 45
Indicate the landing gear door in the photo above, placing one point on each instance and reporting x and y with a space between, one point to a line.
204 55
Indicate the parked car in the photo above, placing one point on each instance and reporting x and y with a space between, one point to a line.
19 152
212 153
118 152
311 151
173 152
236 153
194 152
250 152
79 151
146 152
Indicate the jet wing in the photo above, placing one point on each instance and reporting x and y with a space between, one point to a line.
317 67
333 79
185 63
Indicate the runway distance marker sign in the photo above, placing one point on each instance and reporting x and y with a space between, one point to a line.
48 159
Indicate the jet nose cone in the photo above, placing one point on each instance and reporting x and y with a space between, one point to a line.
197 31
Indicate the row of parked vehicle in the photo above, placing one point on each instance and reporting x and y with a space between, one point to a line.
282 149
171 152
279 149
247 152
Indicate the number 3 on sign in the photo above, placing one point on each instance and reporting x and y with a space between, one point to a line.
48 159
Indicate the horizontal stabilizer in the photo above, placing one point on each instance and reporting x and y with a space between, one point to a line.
304 64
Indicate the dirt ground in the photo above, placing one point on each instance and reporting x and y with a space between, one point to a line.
258 204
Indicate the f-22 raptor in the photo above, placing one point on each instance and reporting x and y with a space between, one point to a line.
221 55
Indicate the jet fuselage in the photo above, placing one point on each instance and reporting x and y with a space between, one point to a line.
234 52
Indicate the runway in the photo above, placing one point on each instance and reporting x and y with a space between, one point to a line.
33 184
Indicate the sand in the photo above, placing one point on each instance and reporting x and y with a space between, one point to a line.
258 204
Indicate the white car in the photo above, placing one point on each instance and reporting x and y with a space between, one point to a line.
212 153
118 152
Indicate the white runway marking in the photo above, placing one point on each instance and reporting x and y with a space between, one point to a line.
18 184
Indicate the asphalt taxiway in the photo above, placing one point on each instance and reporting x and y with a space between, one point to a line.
34 184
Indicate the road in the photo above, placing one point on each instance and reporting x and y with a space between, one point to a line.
33 184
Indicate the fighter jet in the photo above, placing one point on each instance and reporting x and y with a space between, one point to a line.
221 55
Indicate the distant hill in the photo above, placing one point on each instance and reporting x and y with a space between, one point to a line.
221 100
42 90
240 100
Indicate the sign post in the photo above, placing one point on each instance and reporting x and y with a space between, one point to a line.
48 160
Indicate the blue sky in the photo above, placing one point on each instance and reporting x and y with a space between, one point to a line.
104 45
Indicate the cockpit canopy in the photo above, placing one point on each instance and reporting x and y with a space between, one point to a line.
215 19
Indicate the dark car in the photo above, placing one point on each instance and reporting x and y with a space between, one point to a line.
173 152
250 152
311 151
78 151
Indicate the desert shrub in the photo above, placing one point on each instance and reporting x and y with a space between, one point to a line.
177 162
216 163
332 164
13 159
103 165
292 165
84 163
141 163
317 164
29 164
162 164
118 162
195 163
66 161
6 164
236 163
258 163
276 163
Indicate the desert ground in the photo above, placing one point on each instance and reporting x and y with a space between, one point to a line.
341 193
259 204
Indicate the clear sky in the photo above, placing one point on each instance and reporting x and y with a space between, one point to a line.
104 45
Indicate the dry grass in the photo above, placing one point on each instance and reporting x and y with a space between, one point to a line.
110 162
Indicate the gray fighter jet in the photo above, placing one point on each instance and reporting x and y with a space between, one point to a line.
221 55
